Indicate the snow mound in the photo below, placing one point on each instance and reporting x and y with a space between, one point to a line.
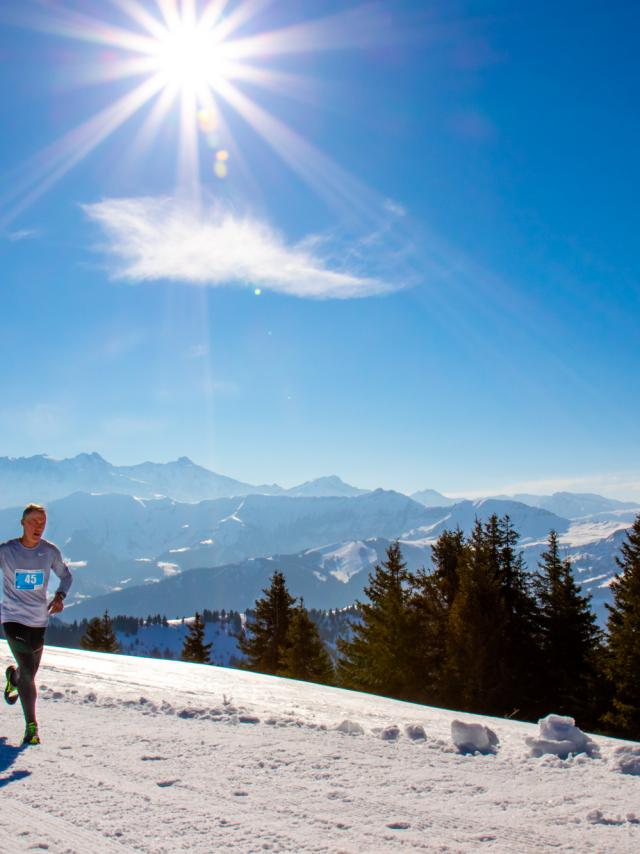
561 737
350 728
390 733
415 732
626 759
473 738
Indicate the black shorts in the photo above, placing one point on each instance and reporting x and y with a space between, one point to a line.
27 639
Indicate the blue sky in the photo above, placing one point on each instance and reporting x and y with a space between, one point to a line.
437 202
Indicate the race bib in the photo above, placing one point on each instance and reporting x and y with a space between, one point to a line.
29 579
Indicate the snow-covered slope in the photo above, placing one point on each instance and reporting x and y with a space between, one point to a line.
158 757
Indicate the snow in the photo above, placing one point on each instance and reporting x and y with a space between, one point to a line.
582 532
626 759
168 568
160 756
347 560
561 737
469 738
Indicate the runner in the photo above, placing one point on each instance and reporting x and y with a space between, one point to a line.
26 564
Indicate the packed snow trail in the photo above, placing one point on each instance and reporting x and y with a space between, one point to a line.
155 756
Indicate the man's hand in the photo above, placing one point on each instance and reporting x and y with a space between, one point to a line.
56 605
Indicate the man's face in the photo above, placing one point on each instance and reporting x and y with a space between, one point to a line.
34 524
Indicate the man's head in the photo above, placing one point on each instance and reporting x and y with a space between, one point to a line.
34 521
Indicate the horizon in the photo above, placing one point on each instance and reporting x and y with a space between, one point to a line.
508 491
396 241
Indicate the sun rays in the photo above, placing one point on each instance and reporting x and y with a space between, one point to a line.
191 60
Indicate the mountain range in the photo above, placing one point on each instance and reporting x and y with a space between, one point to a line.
42 479
137 547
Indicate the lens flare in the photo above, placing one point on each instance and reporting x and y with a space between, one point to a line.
185 56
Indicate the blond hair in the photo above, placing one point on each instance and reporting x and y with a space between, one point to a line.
32 508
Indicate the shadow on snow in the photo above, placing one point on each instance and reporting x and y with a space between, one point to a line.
8 755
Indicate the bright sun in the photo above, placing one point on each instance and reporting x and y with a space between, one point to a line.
189 57
193 57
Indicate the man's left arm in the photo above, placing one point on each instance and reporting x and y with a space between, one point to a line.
62 571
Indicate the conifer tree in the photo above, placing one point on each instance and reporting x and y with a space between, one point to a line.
447 554
194 648
99 635
520 662
265 639
377 658
433 594
476 630
623 649
569 636
305 656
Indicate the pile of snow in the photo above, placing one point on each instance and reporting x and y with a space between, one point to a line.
626 759
561 737
349 728
415 732
473 738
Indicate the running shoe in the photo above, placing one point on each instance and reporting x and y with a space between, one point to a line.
31 734
10 689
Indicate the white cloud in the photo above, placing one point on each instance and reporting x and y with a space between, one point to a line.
160 239
22 234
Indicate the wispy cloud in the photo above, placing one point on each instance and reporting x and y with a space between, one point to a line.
153 239
394 208
22 234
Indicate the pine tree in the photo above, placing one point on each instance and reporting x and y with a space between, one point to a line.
265 638
520 662
305 656
99 635
377 658
623 649
569 637
194 648
447 553
476 630
429 606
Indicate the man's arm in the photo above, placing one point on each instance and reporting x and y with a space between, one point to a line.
62 571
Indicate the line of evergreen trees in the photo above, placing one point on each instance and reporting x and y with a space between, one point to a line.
481 633
478 633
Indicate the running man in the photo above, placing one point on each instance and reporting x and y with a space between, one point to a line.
26 564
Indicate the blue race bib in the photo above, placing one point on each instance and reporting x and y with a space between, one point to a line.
29 579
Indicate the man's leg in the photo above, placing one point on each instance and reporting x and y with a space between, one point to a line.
26 644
